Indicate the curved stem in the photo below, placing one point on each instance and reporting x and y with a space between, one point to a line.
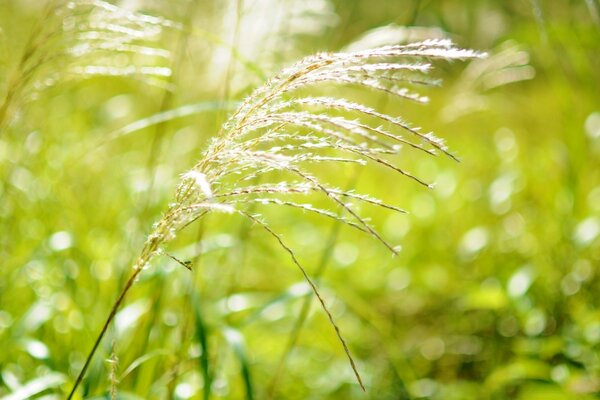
111 316
301 319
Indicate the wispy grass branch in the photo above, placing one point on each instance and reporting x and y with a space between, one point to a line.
246 148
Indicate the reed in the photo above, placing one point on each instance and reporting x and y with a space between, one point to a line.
278 131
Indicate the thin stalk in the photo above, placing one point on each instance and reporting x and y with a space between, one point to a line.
3 111
113 372
316 292
110 318
306 305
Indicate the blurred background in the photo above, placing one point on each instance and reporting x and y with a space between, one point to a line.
105 105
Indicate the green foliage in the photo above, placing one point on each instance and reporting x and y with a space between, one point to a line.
492 294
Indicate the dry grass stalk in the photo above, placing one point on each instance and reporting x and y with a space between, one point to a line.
278 132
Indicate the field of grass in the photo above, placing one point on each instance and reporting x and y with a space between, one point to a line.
106 108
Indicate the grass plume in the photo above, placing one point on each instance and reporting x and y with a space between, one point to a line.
277 132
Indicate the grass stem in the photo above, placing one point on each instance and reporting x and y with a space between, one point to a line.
110 318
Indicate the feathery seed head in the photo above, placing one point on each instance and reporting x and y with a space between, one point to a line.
278 133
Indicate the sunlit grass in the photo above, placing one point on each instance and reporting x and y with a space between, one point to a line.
491 296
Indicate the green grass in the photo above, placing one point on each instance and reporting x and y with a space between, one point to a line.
493 294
